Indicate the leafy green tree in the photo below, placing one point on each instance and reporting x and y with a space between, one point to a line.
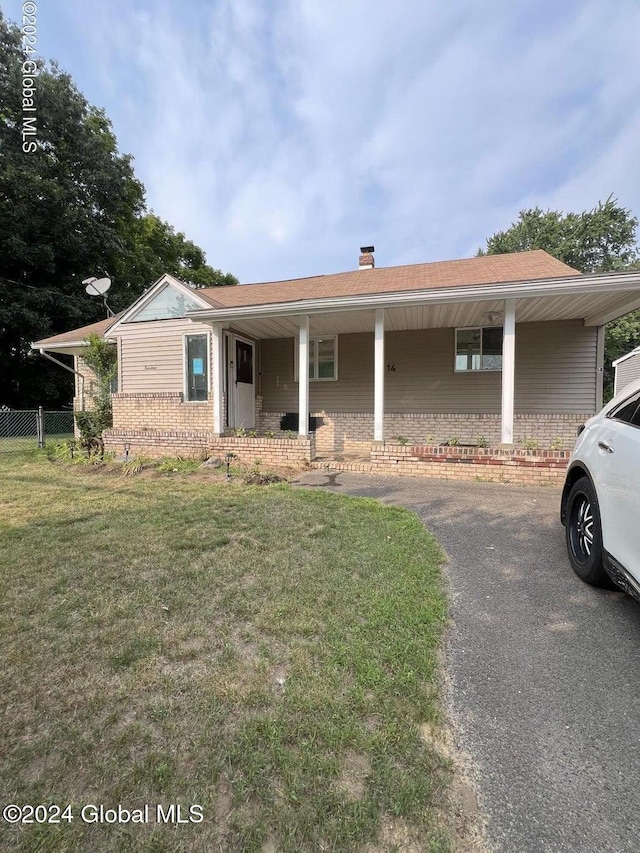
70 207
598 240
102 358
154 247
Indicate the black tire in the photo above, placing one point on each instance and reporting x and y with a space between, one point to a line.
583 533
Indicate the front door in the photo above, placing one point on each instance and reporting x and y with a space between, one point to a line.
242 383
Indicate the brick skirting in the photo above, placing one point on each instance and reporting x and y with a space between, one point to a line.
471 463
278 452
155 444
348 433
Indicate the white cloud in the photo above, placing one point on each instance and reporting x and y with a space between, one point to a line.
282 136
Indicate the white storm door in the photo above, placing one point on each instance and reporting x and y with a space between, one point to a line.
243 379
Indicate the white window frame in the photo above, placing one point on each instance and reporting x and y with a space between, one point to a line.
313 347
185 368
480 369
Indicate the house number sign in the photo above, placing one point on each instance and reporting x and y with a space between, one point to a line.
391 368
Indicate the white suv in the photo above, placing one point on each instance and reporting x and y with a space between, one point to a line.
601 498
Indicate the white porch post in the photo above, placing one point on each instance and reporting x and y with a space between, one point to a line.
217 357
303 378
378 377
508 369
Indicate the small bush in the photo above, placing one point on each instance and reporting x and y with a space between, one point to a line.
402 439
482 441
134 466
454 441
557 443
530 443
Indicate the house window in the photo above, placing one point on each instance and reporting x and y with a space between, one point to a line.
479 348
323 358
197 367
168 304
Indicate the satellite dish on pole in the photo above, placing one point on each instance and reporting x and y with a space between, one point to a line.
97 286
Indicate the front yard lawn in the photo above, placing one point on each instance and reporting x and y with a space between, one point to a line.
266 653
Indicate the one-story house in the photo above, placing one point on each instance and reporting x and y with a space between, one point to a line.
498 349
627 368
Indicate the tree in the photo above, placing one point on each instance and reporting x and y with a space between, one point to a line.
70 207
154 248
102 358
599 240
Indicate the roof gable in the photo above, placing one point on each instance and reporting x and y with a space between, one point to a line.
167 299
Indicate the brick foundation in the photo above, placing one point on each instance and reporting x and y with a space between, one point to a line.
155 443
349 433
278 452
539 467
166 412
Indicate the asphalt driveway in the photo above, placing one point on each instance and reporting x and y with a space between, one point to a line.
545 671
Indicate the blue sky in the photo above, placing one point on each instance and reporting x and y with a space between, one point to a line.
280 136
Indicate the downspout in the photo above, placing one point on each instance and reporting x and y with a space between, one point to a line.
71 370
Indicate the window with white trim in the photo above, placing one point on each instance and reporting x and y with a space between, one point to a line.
196 351
478 348
323 358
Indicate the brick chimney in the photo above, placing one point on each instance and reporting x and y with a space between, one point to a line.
366 261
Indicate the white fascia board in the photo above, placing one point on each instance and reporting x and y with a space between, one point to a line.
568 286
148 295
622 358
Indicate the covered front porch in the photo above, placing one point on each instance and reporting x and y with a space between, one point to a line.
427 369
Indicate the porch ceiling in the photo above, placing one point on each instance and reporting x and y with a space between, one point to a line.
590 307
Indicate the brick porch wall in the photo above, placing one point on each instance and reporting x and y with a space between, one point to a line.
295 452
344 433
155 444
543 467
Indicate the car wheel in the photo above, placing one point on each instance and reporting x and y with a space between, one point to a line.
584 533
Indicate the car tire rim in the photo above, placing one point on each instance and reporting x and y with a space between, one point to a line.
583 530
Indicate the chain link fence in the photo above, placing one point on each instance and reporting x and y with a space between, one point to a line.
30 428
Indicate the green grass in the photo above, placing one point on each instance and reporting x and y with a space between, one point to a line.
268 653
25 443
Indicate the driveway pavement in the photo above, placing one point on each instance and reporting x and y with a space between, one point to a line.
545 671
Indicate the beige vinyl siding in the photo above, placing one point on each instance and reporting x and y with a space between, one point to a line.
352 392
555 373
627 371
556 367
152 355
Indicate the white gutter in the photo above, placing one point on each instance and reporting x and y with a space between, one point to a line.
569 286
69 344
71 370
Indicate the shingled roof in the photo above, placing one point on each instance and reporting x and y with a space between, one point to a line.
486 269
77 336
